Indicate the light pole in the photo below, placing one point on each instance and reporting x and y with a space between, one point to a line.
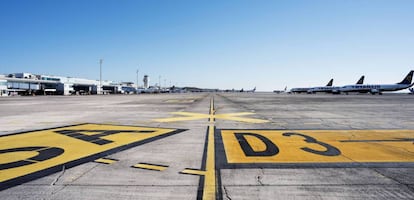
137 80
159 82
100 75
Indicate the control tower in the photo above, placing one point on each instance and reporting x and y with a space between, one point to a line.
146 81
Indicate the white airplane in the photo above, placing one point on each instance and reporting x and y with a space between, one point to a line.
253 90
332 89
242 90
300 90
280 91
379 88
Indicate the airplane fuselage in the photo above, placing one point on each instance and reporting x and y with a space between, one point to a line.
374 88
299 90
327 89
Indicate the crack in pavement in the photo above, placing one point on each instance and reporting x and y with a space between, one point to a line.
226 192
58 177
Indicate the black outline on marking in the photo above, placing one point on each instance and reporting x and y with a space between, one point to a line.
395 140
96 138
218 148
41 173
221 158
113 159
200 189
219 189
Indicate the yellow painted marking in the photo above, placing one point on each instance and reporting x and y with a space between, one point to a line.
73 148
354 146
194 172
240 119
180 101
188 116
212 106
210 174
17 156
150 167
111 123
105 161
279 123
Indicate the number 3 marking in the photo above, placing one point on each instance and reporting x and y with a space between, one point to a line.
330 150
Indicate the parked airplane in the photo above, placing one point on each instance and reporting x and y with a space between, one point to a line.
280 91
361 80
411 90
253 90
332 89
379 88
300 90
242 90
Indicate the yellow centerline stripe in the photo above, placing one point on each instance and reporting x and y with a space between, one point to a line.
211 106
210 174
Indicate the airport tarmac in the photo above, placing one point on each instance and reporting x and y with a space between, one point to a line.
207 146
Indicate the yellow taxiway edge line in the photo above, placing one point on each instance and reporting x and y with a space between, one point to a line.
194 172
150 167
105 161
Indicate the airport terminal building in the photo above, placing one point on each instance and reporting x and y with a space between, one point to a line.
32 84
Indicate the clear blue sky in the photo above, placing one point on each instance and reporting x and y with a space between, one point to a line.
211 44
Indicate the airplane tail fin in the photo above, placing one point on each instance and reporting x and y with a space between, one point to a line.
330 83
361 80
407 80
